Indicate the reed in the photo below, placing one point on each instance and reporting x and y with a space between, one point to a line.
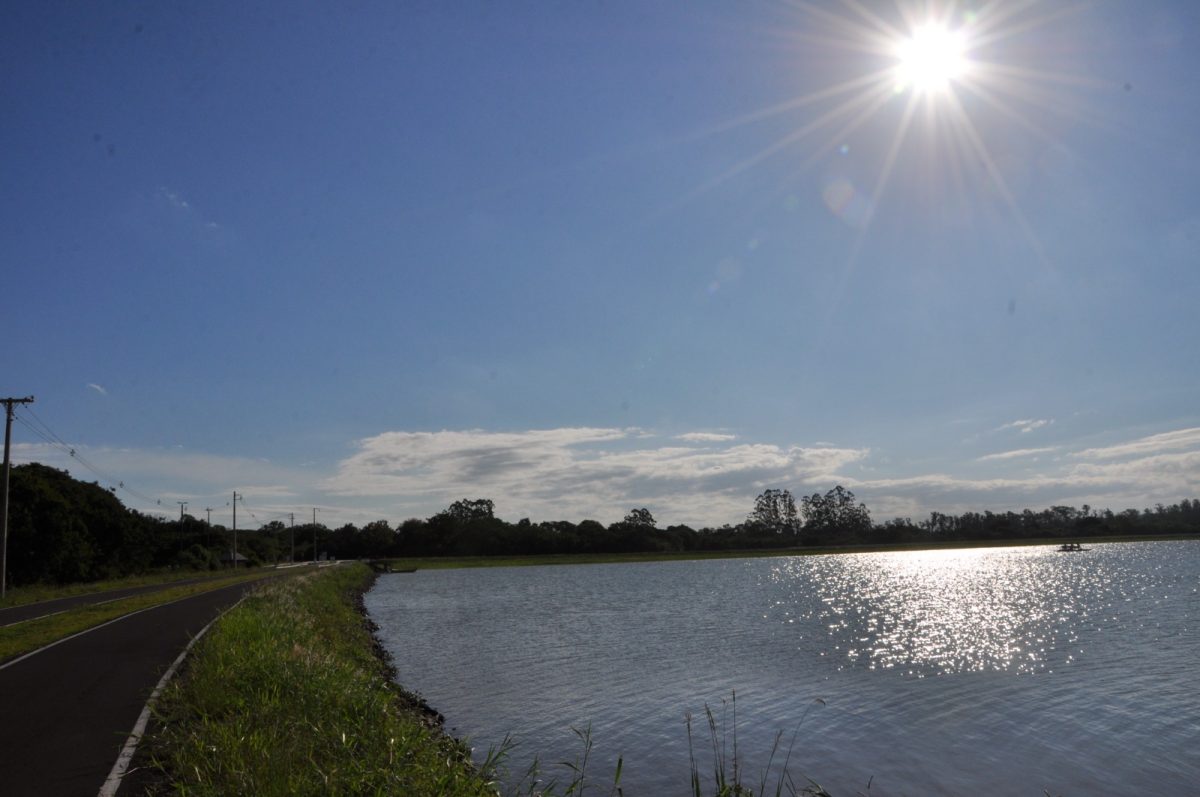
729 768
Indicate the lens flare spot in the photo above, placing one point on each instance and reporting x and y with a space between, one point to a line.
845 201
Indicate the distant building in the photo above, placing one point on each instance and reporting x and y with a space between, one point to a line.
227 557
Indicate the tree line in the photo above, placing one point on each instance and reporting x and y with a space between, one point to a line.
63 530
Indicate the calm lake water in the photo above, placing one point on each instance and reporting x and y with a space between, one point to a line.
997 671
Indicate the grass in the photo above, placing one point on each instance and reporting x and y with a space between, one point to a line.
30 635
287 696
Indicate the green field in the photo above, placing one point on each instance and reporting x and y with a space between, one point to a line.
447 562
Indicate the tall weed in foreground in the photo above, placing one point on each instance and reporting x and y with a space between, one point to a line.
728 768
532 783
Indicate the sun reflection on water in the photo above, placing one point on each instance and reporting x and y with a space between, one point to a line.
937 612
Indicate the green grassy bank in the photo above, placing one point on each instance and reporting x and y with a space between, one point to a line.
286 695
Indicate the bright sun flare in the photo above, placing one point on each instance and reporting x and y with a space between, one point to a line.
931 59
944 71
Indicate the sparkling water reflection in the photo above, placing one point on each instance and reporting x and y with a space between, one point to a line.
1005 671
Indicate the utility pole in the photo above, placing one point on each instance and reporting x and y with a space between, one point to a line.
8 419
314 535
182 506
208 530
292 535
235 498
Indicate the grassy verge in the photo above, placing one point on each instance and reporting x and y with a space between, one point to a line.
286 695
33 634
451 562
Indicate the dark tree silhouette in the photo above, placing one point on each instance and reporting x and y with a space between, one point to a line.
465 510
641 518
775 510
835 516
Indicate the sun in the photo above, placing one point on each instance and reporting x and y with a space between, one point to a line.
931 59
933 78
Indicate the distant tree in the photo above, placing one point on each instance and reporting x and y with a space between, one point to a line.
641 518
62 530
835 515
465 510
775 510
377 539
259 548
592 536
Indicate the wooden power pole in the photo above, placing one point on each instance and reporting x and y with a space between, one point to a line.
235 498
8 419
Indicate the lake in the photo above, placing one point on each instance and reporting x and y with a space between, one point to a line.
1005 671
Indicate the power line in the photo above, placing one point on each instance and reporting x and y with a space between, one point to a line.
34 423
270 516
40 428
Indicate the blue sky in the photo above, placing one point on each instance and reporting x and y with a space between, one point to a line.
375 257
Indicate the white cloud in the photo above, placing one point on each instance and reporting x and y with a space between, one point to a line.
600 473
1181 438
705 437
1114 477
1028 425
576 473
166 475
173 198
98 388
1021 452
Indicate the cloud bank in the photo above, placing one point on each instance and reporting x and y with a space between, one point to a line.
582 472
704 478
697 478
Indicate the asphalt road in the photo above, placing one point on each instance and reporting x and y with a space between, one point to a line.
67 711
32 611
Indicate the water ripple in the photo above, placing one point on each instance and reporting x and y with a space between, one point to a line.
941 672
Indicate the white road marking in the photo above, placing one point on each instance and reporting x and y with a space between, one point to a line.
30 619
113 781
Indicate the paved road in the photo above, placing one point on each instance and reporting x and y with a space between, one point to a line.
68 710
31 611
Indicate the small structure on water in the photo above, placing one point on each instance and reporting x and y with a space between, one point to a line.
384 566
